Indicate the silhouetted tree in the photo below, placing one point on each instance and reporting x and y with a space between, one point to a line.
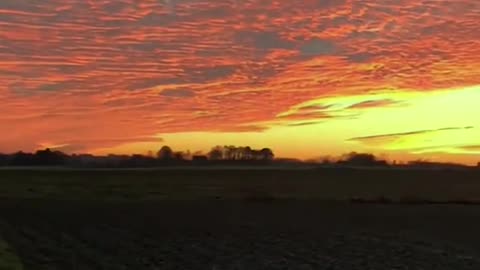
3 160
216 153
247 153
165 153
179 156
362 159
22 159
242 153
229 152
266 154
49 157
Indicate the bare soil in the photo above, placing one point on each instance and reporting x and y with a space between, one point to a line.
239 219
240 235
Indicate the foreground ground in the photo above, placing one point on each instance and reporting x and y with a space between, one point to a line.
237 220
242 184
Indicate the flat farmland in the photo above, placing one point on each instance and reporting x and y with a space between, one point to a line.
239 219
243 184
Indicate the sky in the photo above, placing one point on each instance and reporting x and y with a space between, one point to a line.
310 78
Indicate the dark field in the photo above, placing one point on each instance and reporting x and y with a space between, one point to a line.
239 219
242 184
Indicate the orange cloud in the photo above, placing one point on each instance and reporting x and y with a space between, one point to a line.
102 73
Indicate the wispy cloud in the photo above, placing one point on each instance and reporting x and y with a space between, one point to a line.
374 103
411 140
470 148
410 133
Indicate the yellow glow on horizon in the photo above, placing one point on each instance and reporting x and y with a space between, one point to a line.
444 122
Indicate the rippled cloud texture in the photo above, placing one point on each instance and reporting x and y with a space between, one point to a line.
88 75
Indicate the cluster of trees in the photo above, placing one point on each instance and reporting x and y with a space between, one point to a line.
165 156
362 159
225 153
40 158
240 153
369 160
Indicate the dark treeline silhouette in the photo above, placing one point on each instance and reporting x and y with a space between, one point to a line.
362 159
240 153
228 155
219 155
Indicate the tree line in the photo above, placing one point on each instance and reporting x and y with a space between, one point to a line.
165 156
218 155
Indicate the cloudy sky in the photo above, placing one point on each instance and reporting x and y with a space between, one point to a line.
400 78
